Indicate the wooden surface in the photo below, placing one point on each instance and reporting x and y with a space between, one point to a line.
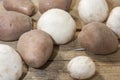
107 66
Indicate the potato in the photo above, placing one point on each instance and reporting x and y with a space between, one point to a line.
10 63
24 6
35 47
98 38
13 24
45 5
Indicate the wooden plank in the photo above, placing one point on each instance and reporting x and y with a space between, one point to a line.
56 70
66 52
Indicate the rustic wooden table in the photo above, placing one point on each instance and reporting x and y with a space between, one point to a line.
108 66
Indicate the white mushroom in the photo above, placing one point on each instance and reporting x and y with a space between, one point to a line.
81 67
113 21
10 63
93 10
59 24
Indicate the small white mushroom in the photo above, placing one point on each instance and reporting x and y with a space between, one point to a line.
113 21
93 10
10 63
59 24
81 67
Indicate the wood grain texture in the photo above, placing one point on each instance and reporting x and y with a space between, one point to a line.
108 66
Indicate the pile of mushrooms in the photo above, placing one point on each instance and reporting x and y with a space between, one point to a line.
34 47
99 35
56 26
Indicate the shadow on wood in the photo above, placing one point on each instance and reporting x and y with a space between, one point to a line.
54 54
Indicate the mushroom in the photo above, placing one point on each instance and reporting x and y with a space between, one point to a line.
58 24
93 10
113 21
10 63
81 67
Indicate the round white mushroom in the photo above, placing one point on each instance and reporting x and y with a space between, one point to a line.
113 21
10 63
59 24
81 67
93 10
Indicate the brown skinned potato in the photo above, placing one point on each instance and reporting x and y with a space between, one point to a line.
35 47
98 38
13 25
24 6
45 5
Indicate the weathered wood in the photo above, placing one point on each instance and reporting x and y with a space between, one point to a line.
56 70
108 67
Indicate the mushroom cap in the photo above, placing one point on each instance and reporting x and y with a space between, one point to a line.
10 63
81 67
58 24
89 11
113 21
